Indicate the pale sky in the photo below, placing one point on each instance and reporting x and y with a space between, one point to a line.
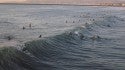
62 1
6 1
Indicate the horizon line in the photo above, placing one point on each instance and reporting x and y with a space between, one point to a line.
56 4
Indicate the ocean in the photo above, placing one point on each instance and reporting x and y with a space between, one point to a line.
59 37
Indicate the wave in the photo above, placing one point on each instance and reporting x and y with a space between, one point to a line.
72 50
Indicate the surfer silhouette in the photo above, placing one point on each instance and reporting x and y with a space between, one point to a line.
40 36
66 21
24 28
30 25
108 26
79 20
81 36
9 37
95 37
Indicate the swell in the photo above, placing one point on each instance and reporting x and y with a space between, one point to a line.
60 52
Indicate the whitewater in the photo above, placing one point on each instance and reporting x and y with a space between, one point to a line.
58 37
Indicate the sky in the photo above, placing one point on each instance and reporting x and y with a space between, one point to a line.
62 1
12 1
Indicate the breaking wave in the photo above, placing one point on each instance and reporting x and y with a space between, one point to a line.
77 49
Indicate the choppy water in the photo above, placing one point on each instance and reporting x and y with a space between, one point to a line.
94 41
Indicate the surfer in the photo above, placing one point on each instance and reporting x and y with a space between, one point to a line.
95 37
79 20
24 28
81 36
30 25
108 25
40 36
9 37
66 21
86 24
70 33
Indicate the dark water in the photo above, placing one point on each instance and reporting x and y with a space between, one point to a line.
98 46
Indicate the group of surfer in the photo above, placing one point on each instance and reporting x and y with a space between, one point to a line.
81 36
30 26
72 21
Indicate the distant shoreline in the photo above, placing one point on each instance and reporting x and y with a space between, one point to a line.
43 4
55 4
